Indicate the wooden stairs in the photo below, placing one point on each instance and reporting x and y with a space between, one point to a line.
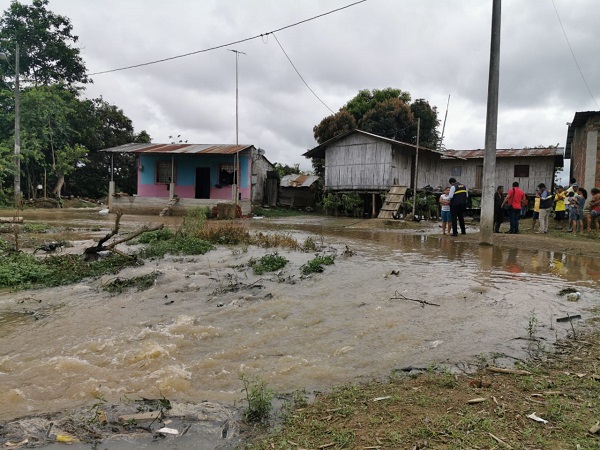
166 211
393 202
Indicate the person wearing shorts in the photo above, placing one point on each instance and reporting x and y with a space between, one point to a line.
594 214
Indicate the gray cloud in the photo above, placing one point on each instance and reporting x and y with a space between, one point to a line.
429 48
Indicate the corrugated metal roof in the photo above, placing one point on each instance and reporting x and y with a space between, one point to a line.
296 180
506 152
191 149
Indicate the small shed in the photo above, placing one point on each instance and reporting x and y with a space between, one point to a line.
583 148
298 191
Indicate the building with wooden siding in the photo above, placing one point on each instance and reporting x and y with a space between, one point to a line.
528 166
364 162
583 148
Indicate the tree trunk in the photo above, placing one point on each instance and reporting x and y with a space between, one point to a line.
58 186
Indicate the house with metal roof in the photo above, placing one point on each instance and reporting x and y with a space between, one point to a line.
583 148
528 166
173 177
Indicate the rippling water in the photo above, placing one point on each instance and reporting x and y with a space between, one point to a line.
190 336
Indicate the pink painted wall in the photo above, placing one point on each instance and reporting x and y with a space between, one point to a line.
160 190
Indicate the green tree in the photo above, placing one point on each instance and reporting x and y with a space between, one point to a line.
47 51
386 112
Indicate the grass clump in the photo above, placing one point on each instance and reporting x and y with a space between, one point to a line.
259 397
224 234
268 263
164 234
22 271
316 264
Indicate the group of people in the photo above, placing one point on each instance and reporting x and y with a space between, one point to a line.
573 204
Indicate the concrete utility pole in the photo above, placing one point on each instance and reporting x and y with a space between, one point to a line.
491 132
416 168
237 157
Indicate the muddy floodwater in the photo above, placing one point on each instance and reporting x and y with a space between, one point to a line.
393 298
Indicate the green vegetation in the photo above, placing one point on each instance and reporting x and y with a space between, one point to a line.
22 271
434 407
268 263
150 237
316 264
259 398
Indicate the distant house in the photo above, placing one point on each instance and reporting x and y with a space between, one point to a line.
528 166
298 191
367 164
181 176
583 148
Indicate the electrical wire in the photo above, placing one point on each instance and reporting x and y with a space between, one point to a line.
573 54
228 44
303 80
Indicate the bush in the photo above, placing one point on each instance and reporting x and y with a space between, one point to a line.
177 246
159 235
316 264
268 263
259 398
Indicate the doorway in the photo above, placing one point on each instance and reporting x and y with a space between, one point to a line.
202 182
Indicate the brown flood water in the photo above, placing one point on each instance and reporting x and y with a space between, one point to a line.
188 338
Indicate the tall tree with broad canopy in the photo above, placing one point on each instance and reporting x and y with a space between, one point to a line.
386 112
61 133
46 42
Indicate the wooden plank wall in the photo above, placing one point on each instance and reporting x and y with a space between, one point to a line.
358 162
541 170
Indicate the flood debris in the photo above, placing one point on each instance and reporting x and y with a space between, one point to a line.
399 296
92 253
566 291
568 318
573 296
508 371
50 247
534 416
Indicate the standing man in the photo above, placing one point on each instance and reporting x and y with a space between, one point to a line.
515 198
458 203
498 209
545 205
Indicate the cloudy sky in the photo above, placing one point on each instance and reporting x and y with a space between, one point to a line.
430 48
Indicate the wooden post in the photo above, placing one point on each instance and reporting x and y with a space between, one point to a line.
373 208
416 168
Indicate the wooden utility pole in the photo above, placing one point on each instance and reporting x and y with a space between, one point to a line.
236 186
491 132
416 169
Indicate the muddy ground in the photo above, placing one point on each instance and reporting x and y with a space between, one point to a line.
215 424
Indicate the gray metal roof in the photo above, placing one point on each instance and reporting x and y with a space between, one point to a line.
190 149
297 180
507 152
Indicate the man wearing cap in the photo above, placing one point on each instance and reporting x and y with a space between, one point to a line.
458 203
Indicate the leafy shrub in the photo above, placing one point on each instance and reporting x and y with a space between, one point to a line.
224 234
20 269
35 228
194 220
275 240
330 203
159 235
259 398
268 263
316 264
352 204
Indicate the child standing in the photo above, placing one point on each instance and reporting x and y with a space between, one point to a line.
559 207
445 202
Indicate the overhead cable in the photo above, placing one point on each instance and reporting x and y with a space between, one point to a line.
573 54
303 80
228 44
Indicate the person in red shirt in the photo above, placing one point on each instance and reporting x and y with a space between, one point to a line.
515 199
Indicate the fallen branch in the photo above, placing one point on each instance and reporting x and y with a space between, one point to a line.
92 252
499 441
399 296
509 371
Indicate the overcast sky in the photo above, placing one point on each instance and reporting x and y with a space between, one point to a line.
430 48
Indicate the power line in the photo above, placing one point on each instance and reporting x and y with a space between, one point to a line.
573 54
303 80
228 44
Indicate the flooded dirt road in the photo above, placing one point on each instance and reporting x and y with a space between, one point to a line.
190 336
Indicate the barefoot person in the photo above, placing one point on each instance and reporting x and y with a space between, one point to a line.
498 209
594 214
